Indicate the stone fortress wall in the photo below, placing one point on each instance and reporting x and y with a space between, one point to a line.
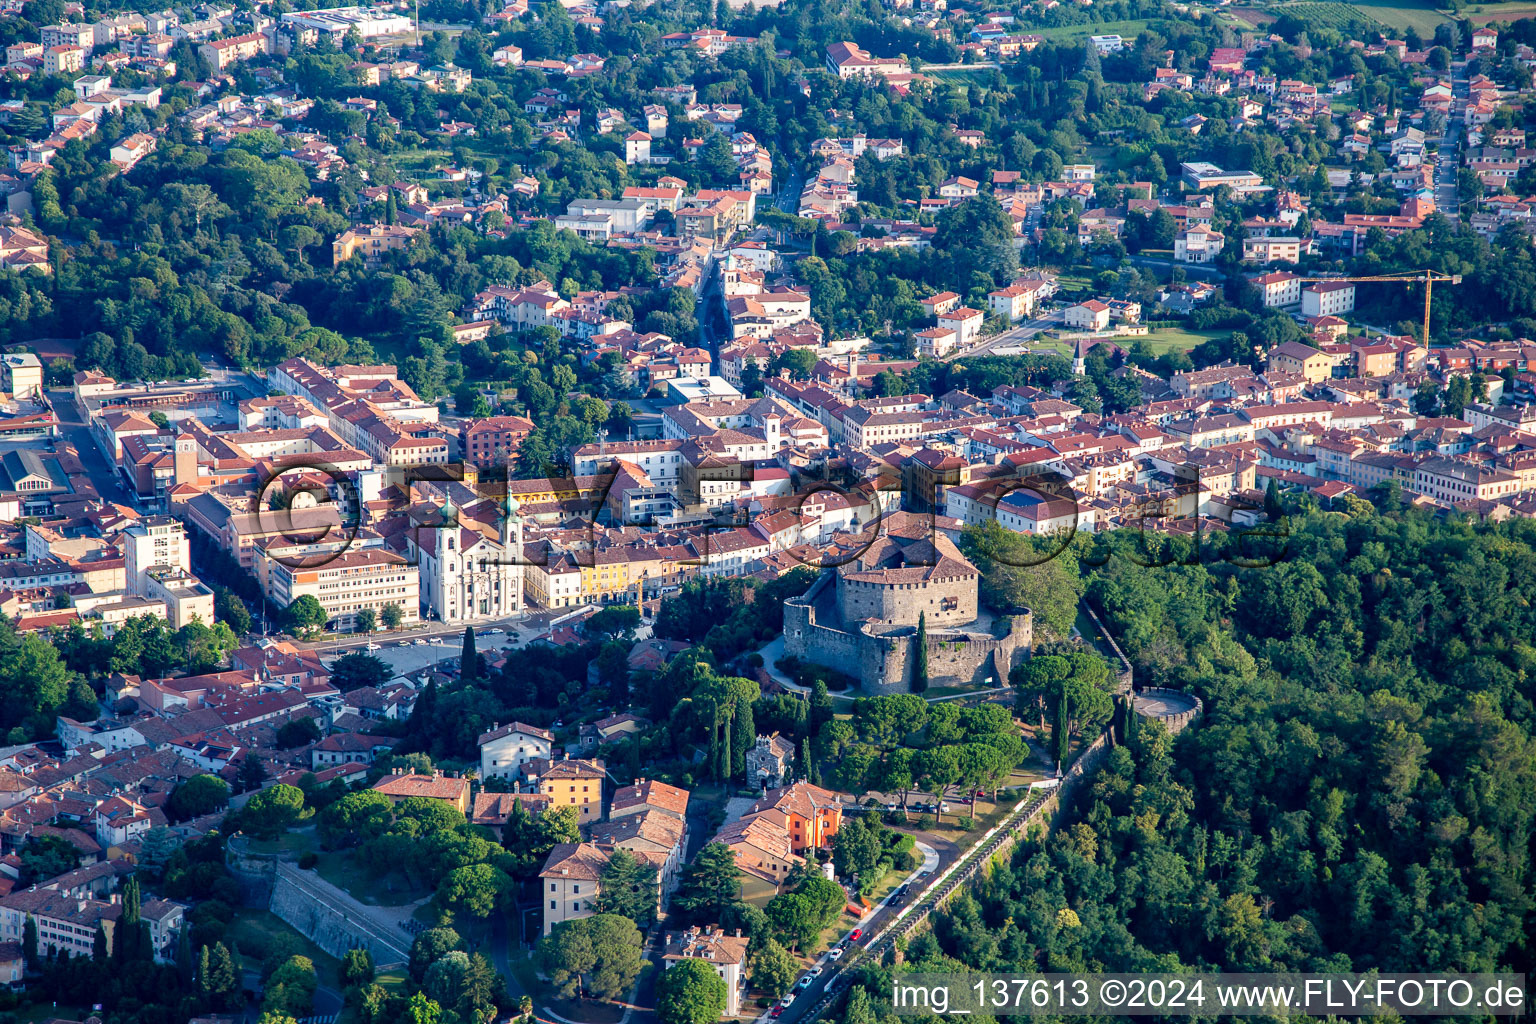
881 655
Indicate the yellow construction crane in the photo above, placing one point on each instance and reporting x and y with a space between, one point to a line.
1425 277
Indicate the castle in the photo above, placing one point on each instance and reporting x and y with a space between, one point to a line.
861 617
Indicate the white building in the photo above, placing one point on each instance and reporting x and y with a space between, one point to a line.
1092 315
154 541
465 574
965 322
1198 245
727 954
23 375
505 748
1278 289
1327 298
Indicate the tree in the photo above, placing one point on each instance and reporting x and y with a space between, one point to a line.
1060 734
628 887
29 941
795 920
798 362
427 947
217 979
856 849
1273 508
464 983
46 857
228 607
597 956
305 616
199 795
422 1009
529 839
357 967
291 988
252 772
296 732
391 616
351 671
690 992
364 620
273 809
474 889
469 661
772 969
920 655
709 886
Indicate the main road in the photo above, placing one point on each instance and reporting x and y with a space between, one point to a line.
1019 335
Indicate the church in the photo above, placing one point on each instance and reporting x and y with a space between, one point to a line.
470 560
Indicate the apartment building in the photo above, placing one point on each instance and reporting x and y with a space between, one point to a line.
1327 298
346 583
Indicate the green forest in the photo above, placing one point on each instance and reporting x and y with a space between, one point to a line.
1359 794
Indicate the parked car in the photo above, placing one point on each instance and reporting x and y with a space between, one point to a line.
855 935
805 980
419 642
835 953
778 1008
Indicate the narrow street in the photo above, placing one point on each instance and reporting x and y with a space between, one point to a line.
75 430
1448 156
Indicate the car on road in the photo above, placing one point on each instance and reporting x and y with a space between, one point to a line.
855 935
778 1008
835 953
418 642
371 646
805 980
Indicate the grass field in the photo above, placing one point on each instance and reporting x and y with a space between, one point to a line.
1128 29
1167 339
1483 14
1423 16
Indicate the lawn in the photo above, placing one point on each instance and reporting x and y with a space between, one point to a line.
1168 339
1126 29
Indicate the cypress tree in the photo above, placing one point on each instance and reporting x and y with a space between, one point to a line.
1059 739
29 941
202 973
920 657
725 753
743 736
99 944
714 744
185 967
223 980
1272 507
469 661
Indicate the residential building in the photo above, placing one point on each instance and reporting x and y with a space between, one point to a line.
504 749
400 785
